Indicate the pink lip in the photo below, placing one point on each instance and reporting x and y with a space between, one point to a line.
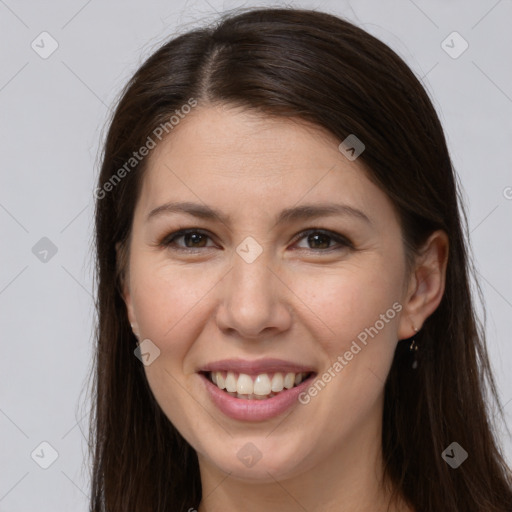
255 367
254 410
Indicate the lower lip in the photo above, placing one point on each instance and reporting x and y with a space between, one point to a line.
255 410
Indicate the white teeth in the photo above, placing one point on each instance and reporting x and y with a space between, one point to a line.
231 382
262 386
244 386
277 382
219 380
289 380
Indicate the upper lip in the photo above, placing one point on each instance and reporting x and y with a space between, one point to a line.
256 367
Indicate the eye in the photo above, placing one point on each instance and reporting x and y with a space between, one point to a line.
197 239
322 238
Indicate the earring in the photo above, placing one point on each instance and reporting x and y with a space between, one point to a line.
414 348
136 334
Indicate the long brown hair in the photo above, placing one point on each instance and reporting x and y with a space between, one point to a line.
320 68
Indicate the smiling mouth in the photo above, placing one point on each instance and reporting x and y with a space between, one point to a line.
256 387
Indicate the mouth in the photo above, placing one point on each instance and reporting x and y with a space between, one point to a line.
262 386
256 390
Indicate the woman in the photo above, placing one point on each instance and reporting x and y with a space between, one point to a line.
285 317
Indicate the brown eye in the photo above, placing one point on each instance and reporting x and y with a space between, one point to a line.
193 239
320 240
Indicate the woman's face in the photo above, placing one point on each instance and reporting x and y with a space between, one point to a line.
246 293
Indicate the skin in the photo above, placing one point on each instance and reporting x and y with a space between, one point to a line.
300 301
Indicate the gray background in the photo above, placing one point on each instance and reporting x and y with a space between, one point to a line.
53 112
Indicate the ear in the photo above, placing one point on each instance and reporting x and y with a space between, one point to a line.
426 284
125 290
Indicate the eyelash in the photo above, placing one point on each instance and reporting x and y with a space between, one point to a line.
169 240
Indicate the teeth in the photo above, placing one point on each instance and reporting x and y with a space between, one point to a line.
244 386
278 382
262 386
230 382
289 380
219 380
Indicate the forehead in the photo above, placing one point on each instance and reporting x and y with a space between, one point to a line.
232 139
247 161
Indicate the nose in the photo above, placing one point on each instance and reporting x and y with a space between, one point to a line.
255 300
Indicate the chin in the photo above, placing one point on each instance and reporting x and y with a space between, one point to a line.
259 460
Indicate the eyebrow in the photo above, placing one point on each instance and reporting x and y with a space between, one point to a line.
288 215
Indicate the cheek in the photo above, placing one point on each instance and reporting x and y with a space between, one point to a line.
168 304
167 299
346 303
357 309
